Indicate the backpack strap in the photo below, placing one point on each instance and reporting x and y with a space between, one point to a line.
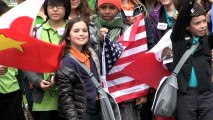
94 80
184 58
37 31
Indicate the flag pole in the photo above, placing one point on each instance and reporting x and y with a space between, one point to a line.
103 75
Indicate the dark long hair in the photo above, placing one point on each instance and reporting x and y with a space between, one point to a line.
66 3
66 35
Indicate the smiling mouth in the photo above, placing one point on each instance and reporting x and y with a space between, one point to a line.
81 38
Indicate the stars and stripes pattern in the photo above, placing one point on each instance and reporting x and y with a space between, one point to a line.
133 42
113 51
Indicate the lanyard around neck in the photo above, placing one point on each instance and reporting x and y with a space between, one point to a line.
48 33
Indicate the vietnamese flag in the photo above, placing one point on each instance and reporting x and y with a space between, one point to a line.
18 48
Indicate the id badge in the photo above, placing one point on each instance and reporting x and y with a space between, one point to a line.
60 31
128 13
162 26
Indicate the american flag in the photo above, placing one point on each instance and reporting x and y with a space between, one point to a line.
133 42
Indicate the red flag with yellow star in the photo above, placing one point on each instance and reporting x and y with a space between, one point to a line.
18 48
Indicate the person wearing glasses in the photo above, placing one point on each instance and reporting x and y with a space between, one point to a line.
45 95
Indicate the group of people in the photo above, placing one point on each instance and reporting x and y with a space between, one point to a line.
81 25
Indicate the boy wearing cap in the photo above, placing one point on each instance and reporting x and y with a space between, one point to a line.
195 93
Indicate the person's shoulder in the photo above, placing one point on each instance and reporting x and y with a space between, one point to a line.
67 59
70 62
92 27
92 19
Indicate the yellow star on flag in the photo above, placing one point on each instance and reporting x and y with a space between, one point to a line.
7 43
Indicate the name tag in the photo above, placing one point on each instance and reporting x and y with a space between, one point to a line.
187 38
128 13
162 26
60 31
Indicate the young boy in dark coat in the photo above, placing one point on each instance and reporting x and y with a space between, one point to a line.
195 93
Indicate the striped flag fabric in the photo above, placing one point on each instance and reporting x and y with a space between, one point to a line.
150 67
133 42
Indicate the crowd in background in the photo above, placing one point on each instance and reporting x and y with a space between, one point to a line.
69 93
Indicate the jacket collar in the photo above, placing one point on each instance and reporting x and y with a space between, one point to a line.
189 39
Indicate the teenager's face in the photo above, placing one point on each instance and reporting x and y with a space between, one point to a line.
108 11
75 3
56 13
198 26
166 2
79 35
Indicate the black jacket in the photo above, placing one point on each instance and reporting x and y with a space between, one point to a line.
70 84
77 92
200 59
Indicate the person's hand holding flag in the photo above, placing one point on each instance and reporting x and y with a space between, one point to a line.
102 33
